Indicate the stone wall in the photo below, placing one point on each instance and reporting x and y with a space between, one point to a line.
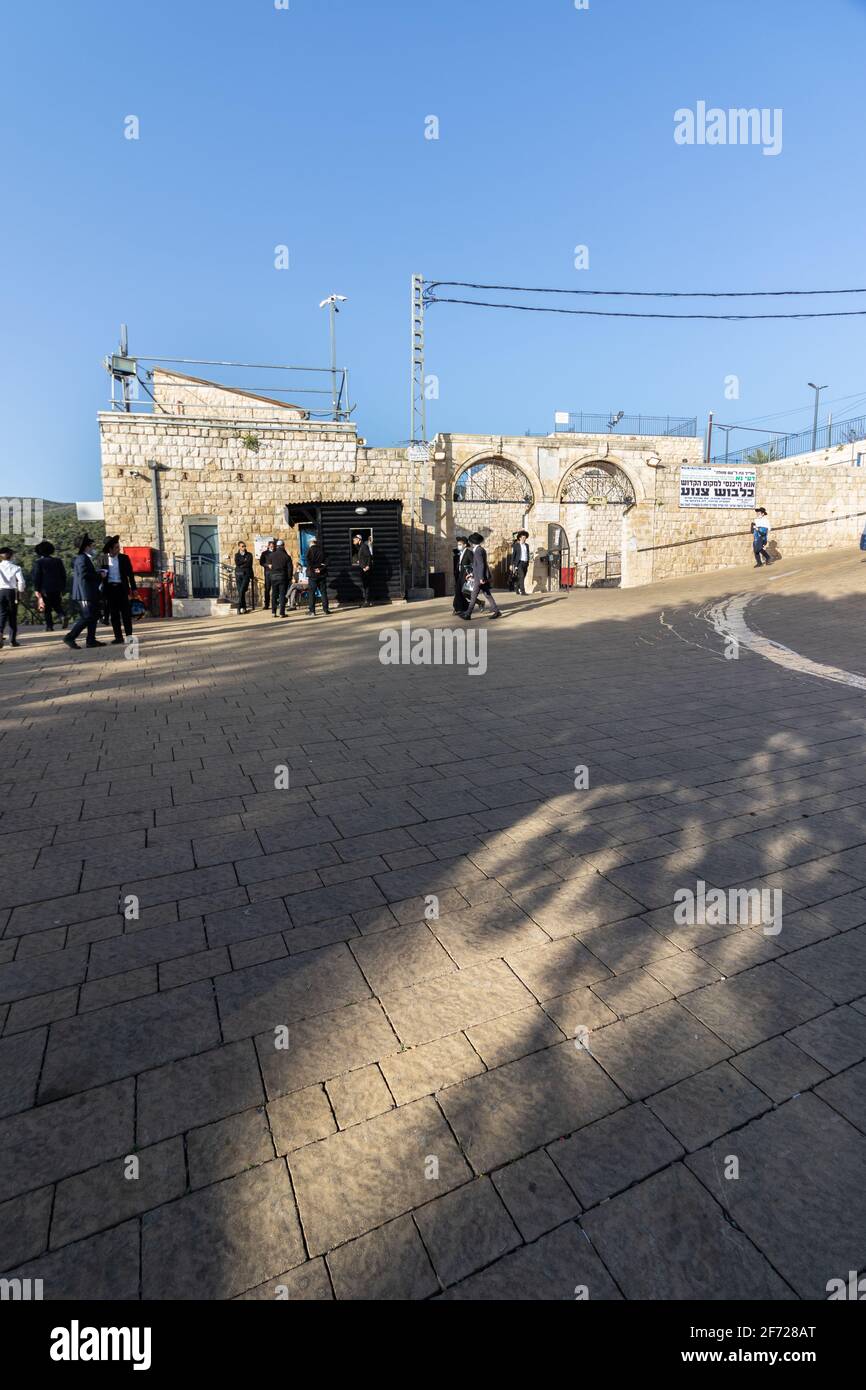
208 471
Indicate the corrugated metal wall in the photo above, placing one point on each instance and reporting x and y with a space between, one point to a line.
385 520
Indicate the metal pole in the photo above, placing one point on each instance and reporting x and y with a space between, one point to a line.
709 437
334 395
157 515
817 389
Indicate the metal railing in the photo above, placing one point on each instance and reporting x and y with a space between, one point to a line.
676 427
787 446
197 576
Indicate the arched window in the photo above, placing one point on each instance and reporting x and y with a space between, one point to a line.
596 485
493 480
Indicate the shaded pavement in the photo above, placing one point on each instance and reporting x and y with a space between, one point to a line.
242 1055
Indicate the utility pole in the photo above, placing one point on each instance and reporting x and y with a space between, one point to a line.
710 437
418 400
817 390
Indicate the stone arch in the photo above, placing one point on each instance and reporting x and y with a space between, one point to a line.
594 496
621 487
490 479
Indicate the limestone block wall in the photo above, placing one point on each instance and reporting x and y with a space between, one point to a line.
814 502
206 470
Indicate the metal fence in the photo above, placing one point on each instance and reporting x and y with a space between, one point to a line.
197 576
787 446
673 426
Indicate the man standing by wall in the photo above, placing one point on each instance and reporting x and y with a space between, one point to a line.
120 585
11 585
365 561
520 561
480 579
317 570
243 575
265 562
281 577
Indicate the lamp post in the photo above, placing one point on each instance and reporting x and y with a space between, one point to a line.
332 303
817 390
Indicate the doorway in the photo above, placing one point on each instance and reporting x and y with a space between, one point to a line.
204 558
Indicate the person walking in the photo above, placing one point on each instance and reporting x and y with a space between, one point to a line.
86 584
462 571
265 562
119 588
365 561
480 580
49 582
281 577
11 586
317 571
760 536
243 575
520 561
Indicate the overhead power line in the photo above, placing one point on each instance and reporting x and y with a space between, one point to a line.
636 294
632 314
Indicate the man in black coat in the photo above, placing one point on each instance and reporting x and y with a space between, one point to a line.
317 570
49 581
265 562
520 561
119 588
86 585
365 563
480 579
281 577
243 574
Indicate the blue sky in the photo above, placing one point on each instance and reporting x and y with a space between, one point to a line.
261 127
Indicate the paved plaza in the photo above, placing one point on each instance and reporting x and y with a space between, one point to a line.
426 1022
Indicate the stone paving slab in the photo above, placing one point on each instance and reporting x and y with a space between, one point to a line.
667 1239
810 1231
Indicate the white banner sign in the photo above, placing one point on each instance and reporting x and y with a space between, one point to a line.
717 487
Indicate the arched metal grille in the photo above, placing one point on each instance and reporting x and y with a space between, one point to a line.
597 486
492 480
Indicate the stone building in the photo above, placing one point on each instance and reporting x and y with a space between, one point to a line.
210 465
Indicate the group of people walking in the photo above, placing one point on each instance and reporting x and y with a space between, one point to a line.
472 577
283 584
103 585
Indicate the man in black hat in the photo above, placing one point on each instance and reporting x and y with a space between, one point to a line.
86 581
119 588
365 563
520 561
49 581
480 580
317 572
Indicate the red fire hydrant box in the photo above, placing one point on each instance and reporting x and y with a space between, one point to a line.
140 557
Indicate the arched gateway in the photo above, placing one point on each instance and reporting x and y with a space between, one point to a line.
493 496
594 499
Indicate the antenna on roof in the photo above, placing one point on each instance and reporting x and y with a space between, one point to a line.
123 369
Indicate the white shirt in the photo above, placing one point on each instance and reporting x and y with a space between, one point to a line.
11 576
114 569
524 553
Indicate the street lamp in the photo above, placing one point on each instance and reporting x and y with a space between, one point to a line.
332 303
817 390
